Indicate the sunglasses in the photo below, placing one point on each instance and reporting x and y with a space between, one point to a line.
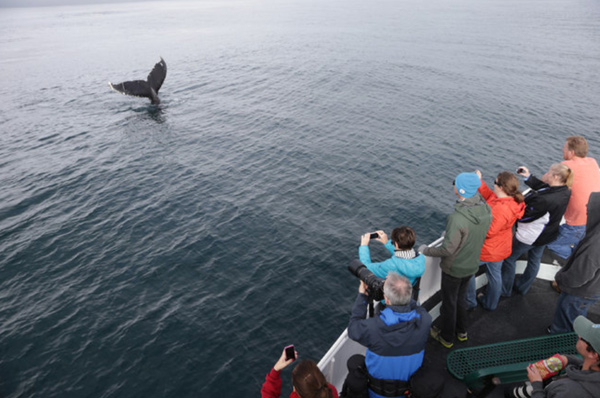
496 182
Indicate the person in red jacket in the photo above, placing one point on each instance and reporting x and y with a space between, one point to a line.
507 205
307 380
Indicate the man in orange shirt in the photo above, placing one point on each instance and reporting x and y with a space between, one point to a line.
586 179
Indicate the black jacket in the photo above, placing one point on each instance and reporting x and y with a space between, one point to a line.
543 199
581 274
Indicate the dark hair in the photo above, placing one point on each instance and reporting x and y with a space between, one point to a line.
590 349
309 381
510 185
578 144
588 346
404 237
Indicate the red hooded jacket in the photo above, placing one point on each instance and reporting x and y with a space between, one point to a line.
505 211
272 386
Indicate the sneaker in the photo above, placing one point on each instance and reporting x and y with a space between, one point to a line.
462 336
435 332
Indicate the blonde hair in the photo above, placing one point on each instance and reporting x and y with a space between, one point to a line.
564 172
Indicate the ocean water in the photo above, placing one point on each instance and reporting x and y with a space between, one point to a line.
173 251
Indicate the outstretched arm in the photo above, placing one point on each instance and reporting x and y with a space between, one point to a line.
453 241
272 385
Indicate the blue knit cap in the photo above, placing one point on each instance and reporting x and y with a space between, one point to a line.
467 184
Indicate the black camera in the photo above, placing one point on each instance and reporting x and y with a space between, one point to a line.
374 283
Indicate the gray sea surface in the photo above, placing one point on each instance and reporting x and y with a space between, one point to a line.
174 250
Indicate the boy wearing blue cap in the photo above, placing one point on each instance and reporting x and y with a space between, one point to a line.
460 251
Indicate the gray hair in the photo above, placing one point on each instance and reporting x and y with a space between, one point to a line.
397 289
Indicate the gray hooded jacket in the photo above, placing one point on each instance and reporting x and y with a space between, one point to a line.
466 229
575 383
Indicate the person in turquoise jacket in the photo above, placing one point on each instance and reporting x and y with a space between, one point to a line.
404 261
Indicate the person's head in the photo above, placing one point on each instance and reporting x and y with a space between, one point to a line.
508 183
308 381
403 238
466 185
575 145
588 344
397 289
558 174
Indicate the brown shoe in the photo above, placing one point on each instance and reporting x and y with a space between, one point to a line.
555 286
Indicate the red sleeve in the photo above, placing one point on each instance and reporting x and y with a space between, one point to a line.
486 192
272 386
334 392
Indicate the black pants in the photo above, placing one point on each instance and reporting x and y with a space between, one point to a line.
453 313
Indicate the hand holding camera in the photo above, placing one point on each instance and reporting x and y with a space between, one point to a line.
377 235
362 288
288 356
524 171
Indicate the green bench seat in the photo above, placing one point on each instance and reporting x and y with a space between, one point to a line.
483 367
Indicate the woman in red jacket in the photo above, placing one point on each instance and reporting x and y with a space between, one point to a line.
507 205
307 379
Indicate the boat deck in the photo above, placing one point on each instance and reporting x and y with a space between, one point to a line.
534 315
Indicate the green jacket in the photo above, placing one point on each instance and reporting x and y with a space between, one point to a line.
465 233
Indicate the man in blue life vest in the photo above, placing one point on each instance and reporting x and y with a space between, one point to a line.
395 338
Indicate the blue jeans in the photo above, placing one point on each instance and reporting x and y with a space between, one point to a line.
534 257
489 301
568 308
568 238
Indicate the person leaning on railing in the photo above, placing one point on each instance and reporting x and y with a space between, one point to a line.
545 205
586 179
506 202
404 260
460 251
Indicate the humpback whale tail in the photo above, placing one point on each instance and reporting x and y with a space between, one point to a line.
145 88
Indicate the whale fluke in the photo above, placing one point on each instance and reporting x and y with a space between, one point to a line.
145 88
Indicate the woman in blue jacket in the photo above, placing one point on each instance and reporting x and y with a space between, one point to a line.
404 260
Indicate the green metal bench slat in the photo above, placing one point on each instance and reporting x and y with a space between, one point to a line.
507 360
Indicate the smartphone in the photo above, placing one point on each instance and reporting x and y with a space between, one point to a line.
374 235
290 352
